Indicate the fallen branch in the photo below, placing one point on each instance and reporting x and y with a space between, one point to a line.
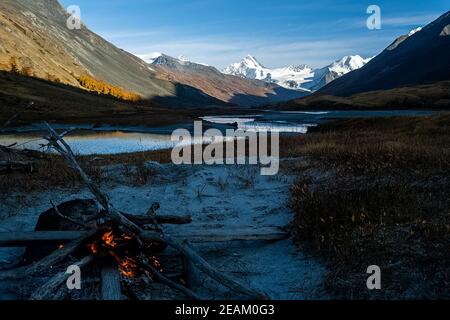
45 291
160 277
204 266
57 142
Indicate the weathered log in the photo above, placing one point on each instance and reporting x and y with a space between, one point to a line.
21 239
49 261
237 234
203 265
111 289
45 291
190 273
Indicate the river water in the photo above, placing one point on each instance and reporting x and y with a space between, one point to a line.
87 140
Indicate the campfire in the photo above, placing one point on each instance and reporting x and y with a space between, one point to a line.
127 249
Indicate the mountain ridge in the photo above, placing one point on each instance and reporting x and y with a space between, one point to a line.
34 35
227 88
297 77
406 62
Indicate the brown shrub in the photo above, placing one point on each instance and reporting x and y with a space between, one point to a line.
385 202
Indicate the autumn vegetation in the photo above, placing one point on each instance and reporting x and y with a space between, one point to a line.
86 81
375 191
102 87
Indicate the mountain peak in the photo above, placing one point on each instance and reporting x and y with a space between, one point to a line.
416 58
349 63
252 62
414 31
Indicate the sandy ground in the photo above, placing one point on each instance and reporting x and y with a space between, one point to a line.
218 198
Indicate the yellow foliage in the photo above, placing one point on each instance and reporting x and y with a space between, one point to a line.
13 65
102 87
27 71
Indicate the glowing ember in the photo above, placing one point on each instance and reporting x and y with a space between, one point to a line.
108 239
93 247
127 237
121 248
127 267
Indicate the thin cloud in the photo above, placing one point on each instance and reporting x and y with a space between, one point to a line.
221 52
409 20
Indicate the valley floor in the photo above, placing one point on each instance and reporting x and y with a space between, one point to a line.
354 193
219 198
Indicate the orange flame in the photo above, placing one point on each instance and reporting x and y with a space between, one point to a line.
108 239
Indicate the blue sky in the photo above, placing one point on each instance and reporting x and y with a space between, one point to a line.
276 32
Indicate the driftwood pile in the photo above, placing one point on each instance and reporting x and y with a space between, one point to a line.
116 243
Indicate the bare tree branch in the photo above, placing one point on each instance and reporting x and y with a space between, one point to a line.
57 142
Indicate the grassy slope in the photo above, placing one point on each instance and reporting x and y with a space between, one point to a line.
381 197
434 96
66 104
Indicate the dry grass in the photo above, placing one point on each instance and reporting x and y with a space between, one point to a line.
379 144
51 171
385 202
436 95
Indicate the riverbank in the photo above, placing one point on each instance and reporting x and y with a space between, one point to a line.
354 193
221 199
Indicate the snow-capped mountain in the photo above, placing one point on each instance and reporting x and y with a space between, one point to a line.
416 58
290 77
335 70
402 38
160 58
301 77
227 88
